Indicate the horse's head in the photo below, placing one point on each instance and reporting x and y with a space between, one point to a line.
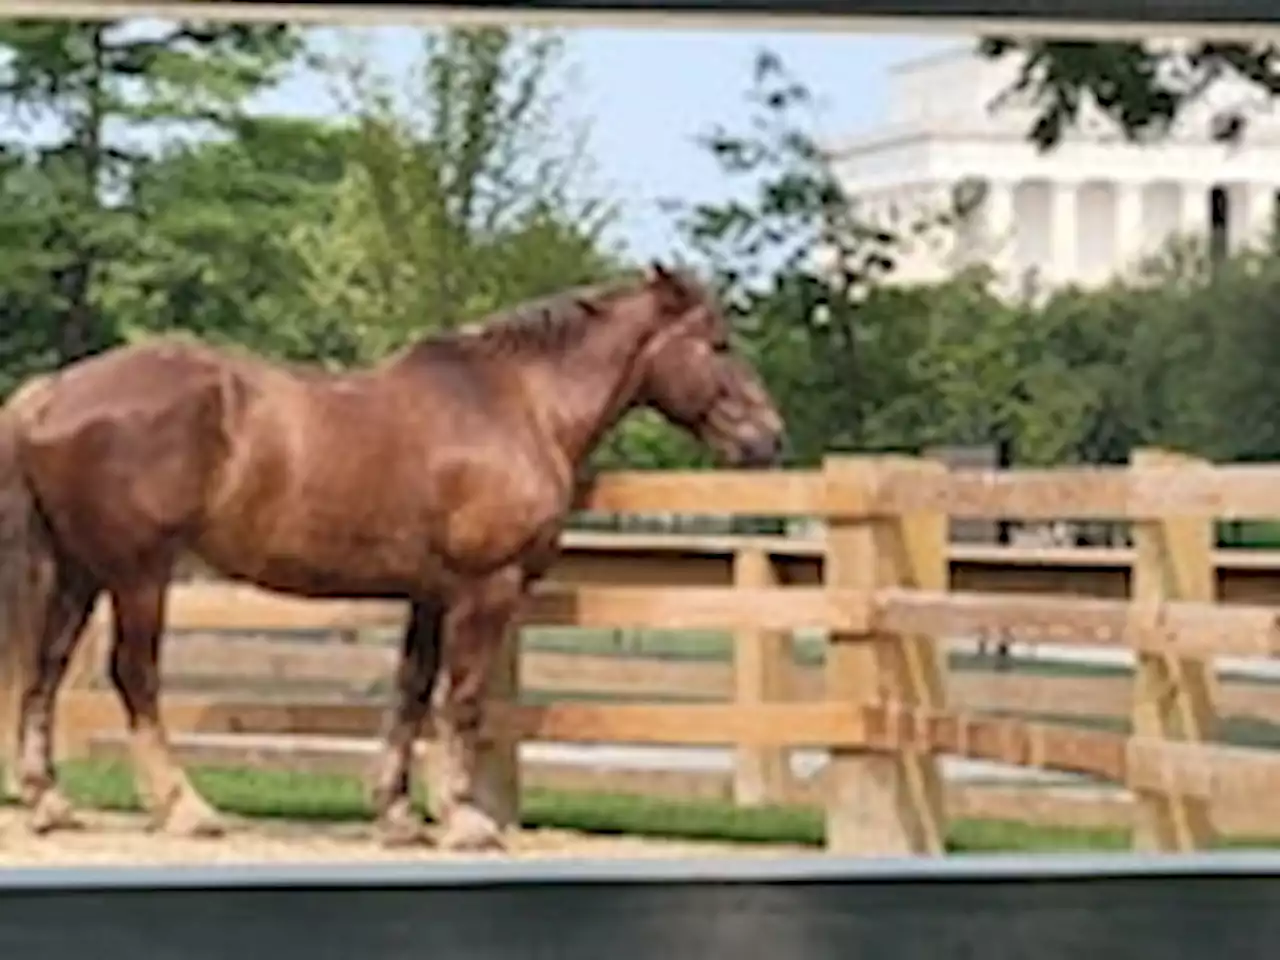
690 373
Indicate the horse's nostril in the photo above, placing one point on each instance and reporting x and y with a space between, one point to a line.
763 451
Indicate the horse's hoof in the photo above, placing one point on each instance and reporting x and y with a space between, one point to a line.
53 812
192 817
402 834
399 826
467 830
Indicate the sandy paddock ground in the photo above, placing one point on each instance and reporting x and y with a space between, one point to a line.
123 839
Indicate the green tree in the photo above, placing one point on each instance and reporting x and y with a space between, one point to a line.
1079 375
1142 86
962 377
214 255
1221 394
801 270
28 311
460 201
82 100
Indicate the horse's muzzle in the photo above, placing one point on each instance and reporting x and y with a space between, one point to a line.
763 450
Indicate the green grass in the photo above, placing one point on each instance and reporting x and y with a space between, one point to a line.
1250 534
696 645
330 798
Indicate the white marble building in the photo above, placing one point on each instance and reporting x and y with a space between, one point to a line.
1080 213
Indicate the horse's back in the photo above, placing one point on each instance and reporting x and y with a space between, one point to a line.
133 395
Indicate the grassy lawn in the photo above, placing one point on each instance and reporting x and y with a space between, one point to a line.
1250 534
696 645
294 796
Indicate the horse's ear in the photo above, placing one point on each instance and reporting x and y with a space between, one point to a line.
668 287
656 273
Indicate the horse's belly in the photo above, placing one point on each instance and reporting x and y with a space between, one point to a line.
308 580
337 560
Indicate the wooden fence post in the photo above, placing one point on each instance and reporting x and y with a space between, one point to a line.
90 659
10 695
88 665
1172 696
878 803
500 765
761 674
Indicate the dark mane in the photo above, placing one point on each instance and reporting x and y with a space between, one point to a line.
551 323
546 325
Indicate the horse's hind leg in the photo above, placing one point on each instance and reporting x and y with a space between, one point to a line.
69 604
398 825
173 802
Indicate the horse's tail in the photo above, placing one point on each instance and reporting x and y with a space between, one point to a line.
26 569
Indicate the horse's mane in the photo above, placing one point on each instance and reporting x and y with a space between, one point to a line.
545 325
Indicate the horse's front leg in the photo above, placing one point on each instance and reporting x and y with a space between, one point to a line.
477 622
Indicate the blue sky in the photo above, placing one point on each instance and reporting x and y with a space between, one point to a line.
648 92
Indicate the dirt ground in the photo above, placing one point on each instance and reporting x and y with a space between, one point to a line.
121 839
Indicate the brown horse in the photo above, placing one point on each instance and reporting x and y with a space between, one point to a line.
443 476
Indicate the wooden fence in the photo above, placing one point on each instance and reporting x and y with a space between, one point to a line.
882 701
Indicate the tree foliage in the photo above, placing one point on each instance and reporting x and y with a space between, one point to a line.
213 254
459 201
802 272
82 101
329 240
138 194
1174 354
1142 86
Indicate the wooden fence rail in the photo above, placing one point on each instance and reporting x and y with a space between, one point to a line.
887 594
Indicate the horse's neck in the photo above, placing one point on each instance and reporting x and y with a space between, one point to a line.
591 387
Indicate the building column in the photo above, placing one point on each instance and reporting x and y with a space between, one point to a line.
1064 230
998 226
1193 218
1130 241
1254 223
927 201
